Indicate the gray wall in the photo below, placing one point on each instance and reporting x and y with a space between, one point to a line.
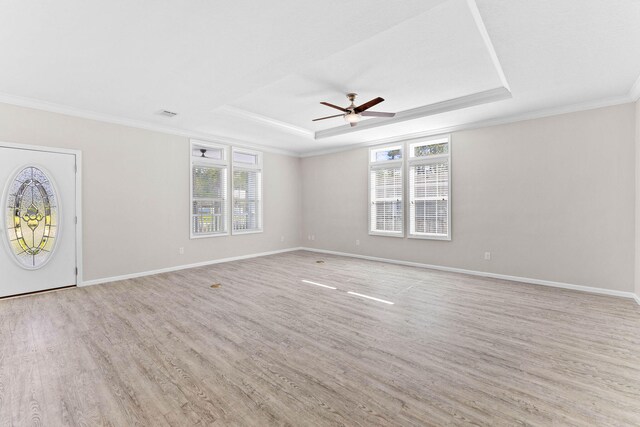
550 198
637 211
136 194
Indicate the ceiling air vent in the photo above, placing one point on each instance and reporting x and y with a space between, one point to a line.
168 113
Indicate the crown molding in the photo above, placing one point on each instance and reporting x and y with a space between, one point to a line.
240 143
574 108
477 98
632 96
264 120
51 107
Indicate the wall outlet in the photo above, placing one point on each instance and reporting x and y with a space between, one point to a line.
309 237
357 242
181 251
487 256
282 238
313 237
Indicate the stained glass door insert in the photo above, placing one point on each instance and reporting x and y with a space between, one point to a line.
32 217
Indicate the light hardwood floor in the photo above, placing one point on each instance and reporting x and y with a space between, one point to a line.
268 349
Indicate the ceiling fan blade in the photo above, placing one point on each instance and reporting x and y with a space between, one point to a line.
376 114
328 117
334 106
369 104
354 124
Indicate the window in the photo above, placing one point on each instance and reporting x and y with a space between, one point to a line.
386 191
209 171
211 215
247 191
429 201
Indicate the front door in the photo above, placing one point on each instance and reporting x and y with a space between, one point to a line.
37 220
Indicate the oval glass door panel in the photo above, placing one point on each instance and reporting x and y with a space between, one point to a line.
32 217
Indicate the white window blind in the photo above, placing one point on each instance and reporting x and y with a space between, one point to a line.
247 192
209 199
429 201
386 191
246 200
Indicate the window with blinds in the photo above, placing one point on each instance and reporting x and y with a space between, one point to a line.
218 171
208 193
429 201
386 191
247 192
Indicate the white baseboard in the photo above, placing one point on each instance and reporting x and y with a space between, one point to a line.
371 258
486 274
182 267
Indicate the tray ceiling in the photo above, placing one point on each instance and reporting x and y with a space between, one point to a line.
244 71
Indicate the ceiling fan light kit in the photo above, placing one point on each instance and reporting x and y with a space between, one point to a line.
352 113
352 118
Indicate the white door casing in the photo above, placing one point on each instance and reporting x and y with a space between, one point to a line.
56 265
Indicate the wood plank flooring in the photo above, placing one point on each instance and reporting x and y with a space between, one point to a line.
268 349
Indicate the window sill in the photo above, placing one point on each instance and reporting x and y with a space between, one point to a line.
429 237
382 233
238 232
204 236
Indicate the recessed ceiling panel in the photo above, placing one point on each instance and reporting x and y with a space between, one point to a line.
435 56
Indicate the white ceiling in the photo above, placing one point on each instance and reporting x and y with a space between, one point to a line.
256 73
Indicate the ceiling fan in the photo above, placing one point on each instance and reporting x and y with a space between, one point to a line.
352 114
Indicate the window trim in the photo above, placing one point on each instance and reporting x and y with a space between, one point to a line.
224 163
413 160
249 167
382 165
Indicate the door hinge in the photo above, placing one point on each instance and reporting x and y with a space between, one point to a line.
75 168
76 271
76 220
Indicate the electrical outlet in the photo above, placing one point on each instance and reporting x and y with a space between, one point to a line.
309 237
282 238
487 256
357 242
313 237
181 251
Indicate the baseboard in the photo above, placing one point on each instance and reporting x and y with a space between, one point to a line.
372 258
486 274
182 267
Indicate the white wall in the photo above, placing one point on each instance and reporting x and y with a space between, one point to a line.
551 199
136 194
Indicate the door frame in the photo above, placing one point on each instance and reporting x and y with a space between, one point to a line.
78 207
